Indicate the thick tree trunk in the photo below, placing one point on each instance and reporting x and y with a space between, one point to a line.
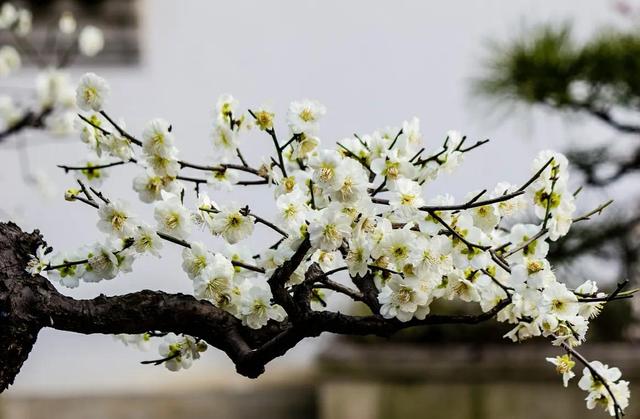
18 291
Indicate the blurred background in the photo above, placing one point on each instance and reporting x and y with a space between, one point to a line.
526 74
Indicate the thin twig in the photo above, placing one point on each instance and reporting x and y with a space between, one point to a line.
272 132
393 143
386 270
96 167
597 211
536 175
257 219
476 145
525 244
121 130
161 360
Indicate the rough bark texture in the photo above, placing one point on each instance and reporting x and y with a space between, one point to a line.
18 326
29 303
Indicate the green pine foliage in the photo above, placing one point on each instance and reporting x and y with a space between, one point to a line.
546 65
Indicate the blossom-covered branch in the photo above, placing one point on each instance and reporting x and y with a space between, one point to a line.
355 209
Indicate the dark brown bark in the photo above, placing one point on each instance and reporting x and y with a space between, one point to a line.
18 326
30 303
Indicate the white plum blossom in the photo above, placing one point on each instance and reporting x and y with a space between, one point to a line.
351 182
164 165
146 240
226 106
90 41
533 273
427 223
39 261
264 118
239 253
453 157
598 392
90 134
304 146
8 15
115 219
406 198
222 179
462 285
172 217
303 116
397 246
403 298
180 351
10 113
292 210
296 180
272 259
327 260
510 207
522 234
54 88
157 137
562 218
358 257
225 140
91 93
68 274
588 289
195 259
102 263
257 309
149 186
564 364
411 138
465 255
215 282
393 166
230 223
434 256
67 23
329 228
553 202
485 217
140 341
118 146
9 60
562 303
325 166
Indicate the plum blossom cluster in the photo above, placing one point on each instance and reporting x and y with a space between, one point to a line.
357 208
603 384
54 108
605 387
177 351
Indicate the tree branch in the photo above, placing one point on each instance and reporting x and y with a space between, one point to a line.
30 119
30 303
